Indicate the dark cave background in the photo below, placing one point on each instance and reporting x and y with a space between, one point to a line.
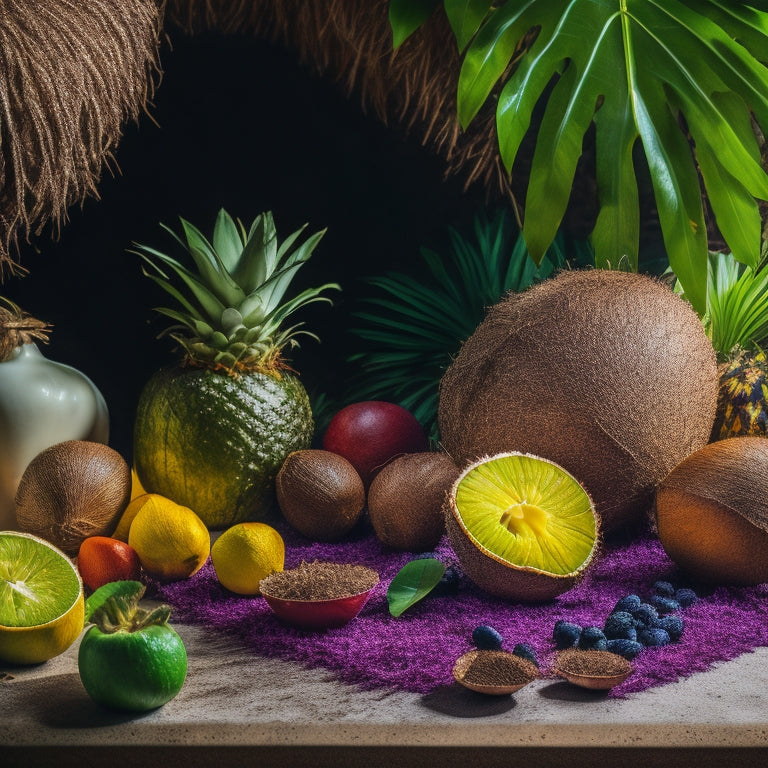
236 123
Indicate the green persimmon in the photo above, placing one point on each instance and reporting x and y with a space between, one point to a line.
131 658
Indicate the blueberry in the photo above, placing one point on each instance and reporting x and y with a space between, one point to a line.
524 651
449 583
626 648
664 604
686 597
628 603
487 638
663 589
618 625
566 634
672 625
645 614
653 636
592 639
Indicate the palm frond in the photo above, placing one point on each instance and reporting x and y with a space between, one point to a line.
412 328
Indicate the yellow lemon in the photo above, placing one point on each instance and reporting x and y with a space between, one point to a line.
137 489
245 554
124 524
171 541
42 607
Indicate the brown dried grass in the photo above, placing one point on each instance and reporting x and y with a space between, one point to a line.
72 72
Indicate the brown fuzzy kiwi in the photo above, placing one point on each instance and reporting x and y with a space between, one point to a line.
712 512
608 374
320 494
405 500
71 491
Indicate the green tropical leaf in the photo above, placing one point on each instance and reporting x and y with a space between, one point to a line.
642 72
465 17
406 16
413 582
227 241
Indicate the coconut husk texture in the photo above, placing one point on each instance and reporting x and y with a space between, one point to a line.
608 374
712 512
320 494
71 491
406 498
72 73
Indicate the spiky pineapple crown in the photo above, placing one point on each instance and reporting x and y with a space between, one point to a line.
231 311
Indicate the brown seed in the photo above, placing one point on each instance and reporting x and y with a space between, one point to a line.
319 581
498 668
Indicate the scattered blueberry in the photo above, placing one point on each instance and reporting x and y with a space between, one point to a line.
645 614
686 597
626 648
618 625
653 636
487 638
628 603
663 589
592 639
524 651
664 604
566 634
672 625
449 583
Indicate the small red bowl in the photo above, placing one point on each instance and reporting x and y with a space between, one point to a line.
318 614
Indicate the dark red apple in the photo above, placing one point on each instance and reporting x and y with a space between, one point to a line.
370 433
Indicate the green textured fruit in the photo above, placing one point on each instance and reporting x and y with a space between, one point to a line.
214 442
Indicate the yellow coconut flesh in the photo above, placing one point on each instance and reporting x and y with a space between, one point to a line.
522 527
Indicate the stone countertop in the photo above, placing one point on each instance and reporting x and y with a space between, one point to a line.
236 708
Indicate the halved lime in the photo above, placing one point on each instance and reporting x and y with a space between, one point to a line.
42 606
521 525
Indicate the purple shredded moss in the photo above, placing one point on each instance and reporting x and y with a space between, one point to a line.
416 652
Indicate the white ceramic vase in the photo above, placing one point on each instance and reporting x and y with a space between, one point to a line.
41 403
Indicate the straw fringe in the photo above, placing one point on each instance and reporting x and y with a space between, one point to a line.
71 73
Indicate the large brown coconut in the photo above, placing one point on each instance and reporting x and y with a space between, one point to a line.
608 374
712 512
71 491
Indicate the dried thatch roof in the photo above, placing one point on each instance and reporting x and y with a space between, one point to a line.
72 72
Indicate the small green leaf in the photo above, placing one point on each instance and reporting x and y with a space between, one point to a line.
406 16
465 17
414 581
125 589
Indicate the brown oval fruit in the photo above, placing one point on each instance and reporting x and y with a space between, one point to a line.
608 374
71 491
405 500
712 512
320 494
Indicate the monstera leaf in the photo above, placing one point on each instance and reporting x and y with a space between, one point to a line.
679 80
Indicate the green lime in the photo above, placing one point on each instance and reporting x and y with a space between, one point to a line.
41 599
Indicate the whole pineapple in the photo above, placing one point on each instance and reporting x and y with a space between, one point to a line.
742 403
212 431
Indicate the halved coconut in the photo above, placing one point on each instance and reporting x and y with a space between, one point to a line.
521 526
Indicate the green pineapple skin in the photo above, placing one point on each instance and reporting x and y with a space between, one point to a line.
214 442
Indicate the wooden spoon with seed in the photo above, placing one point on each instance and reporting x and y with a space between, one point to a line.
496 673
597 670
